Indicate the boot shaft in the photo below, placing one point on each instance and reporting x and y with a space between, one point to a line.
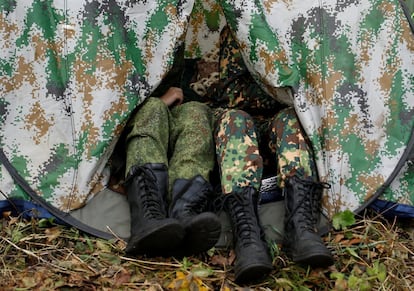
191 197
152 232
146 188
302 205
253 260
190 205
303 201
242 208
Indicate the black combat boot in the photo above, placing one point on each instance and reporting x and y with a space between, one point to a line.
301 240
190 205
253 260
152 232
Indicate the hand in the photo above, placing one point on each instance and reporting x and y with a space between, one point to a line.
173 96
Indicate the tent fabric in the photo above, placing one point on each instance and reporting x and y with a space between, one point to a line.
72 72
204 26
351 66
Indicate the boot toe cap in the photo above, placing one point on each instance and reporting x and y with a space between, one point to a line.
312 253
156 239
252 271
253 263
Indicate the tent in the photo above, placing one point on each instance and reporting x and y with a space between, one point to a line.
73 72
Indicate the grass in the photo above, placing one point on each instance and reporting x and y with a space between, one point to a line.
372 254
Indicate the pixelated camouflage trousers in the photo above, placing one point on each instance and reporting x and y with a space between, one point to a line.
180 138
240 140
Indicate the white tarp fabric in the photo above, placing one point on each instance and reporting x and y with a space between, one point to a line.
71 74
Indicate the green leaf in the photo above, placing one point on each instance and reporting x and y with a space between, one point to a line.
382 272
186 263
343 220
17 236
103 246
365 285
202 272
378 270
113 259
285 283
352 252
353 282
45 222
89 243
337 275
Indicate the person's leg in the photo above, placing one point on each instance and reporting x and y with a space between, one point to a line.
237 152
191 142
152 232
191 162
148 137
303 192
290 147
240 167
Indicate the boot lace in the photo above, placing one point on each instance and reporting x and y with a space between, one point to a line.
308 208
198 205
243 218
150 198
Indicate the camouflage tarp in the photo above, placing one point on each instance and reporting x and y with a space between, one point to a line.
205 24
351 66
72 71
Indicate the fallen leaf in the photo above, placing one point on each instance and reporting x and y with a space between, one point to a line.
52 233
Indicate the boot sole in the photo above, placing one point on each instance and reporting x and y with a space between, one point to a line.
316 260
156 241
252 272
315 254
201 235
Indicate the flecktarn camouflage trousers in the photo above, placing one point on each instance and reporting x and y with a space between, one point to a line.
237 147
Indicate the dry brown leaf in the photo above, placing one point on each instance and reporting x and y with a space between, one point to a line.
53 233
219 260
338 238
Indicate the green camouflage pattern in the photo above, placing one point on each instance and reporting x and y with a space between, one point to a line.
180 138
351 67
71 74
240 154
237 149
235 86
205 24
254 135
290 147
253 140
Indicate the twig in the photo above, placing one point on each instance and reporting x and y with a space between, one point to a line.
150 262
27 252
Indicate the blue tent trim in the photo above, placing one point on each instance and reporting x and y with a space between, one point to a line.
27 210
392 209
